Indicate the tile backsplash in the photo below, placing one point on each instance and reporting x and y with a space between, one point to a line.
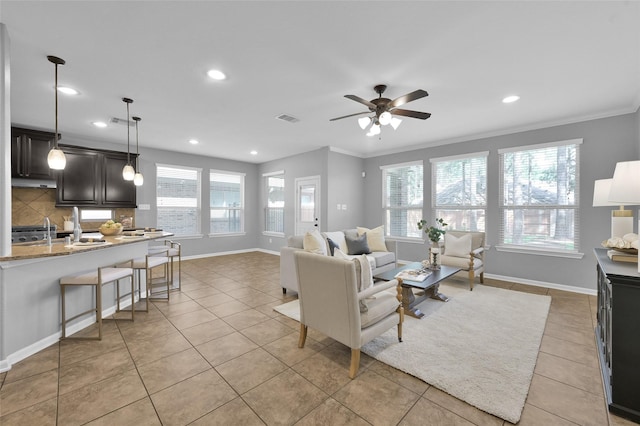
29 206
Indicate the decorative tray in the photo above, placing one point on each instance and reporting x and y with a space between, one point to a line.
625 250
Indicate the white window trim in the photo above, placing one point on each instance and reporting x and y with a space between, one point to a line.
198 170
459 157
385 208
276 173
266 175
508 248
228 234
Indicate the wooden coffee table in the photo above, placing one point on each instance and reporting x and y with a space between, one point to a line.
430 286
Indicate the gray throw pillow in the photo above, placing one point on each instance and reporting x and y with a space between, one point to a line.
332 245
357 245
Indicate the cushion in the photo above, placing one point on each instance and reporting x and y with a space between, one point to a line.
457 247
332 246
380 305
364 278
338 238
358 245
382 258
375 237
314 243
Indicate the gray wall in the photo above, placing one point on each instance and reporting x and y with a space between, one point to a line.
345 186
605 142
147 195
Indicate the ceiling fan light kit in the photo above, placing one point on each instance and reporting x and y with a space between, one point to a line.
384 109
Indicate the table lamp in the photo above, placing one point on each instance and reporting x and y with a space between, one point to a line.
621 220
625 187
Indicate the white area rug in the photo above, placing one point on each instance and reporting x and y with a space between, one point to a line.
480 347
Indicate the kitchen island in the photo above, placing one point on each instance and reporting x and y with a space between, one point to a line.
30 311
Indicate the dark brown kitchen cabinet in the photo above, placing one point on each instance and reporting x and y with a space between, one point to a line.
94 178
29 151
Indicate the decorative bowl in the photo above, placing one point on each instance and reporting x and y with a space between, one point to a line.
110 231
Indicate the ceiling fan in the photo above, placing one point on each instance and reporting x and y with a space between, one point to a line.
384 110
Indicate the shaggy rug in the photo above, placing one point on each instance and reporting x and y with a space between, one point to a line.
480 347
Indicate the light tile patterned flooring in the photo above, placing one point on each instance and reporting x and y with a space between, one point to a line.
217 353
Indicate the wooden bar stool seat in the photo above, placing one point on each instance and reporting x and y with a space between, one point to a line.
96 279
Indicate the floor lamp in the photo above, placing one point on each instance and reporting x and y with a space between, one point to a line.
621 220
625 187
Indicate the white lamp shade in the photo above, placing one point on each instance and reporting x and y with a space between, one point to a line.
385 118
128 172
601 189
625 186
56 159
375 129
364 122
138 179
395 123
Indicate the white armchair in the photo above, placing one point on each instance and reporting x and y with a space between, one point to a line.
465 250
329 302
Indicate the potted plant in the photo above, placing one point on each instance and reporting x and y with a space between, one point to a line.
434 233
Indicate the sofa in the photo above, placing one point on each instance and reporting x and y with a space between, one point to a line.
381 253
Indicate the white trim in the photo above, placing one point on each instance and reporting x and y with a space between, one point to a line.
407 164
539 252
540 146
563 287
344 151
277 173
224 172
484 154
228 234
273 234
410 240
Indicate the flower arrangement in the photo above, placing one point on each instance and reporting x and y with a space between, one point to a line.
433 232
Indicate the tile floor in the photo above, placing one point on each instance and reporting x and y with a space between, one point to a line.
217 353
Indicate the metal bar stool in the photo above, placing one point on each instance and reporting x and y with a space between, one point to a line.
173 250
97 279
148 264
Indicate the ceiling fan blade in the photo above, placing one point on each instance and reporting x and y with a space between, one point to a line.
408 98
362 101
350 115
412 114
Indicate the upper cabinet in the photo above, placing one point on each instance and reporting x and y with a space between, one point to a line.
94 178
29 150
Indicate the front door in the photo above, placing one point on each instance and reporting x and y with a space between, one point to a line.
307 204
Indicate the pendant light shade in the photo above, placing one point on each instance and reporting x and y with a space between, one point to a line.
56 158
128 172
364 122
138 179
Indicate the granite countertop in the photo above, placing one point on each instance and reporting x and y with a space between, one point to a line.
22 251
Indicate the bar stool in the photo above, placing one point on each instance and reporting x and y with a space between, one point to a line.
148 264
173 250
97 279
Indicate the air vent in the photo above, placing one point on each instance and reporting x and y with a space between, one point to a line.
122 121
289 118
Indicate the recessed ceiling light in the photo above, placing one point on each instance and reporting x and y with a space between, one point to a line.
100 124
510 99
67 90
193 142
254 152
216 74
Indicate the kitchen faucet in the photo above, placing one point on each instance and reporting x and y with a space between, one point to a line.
47 236
77 231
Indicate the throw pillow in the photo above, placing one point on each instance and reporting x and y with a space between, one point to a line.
314 243
457 247
375 237
340 254
338 238
358 245
332 246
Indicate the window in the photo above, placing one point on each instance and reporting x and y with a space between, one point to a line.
539 194
178 199
226 190
274 209
402 194
459 191
91 215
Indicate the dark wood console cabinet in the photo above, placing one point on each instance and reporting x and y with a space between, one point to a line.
29 151
618 334
93 178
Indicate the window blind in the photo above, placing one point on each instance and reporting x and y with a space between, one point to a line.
402 189
178 199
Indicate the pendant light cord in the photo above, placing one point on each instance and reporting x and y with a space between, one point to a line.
56 90
128 156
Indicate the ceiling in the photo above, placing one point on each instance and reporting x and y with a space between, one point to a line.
568 61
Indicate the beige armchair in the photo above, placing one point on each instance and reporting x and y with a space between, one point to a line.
465 250
330 303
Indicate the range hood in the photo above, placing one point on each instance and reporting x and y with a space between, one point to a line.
33 183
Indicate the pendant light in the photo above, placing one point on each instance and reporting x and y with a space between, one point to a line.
56 158
128 172
138 179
